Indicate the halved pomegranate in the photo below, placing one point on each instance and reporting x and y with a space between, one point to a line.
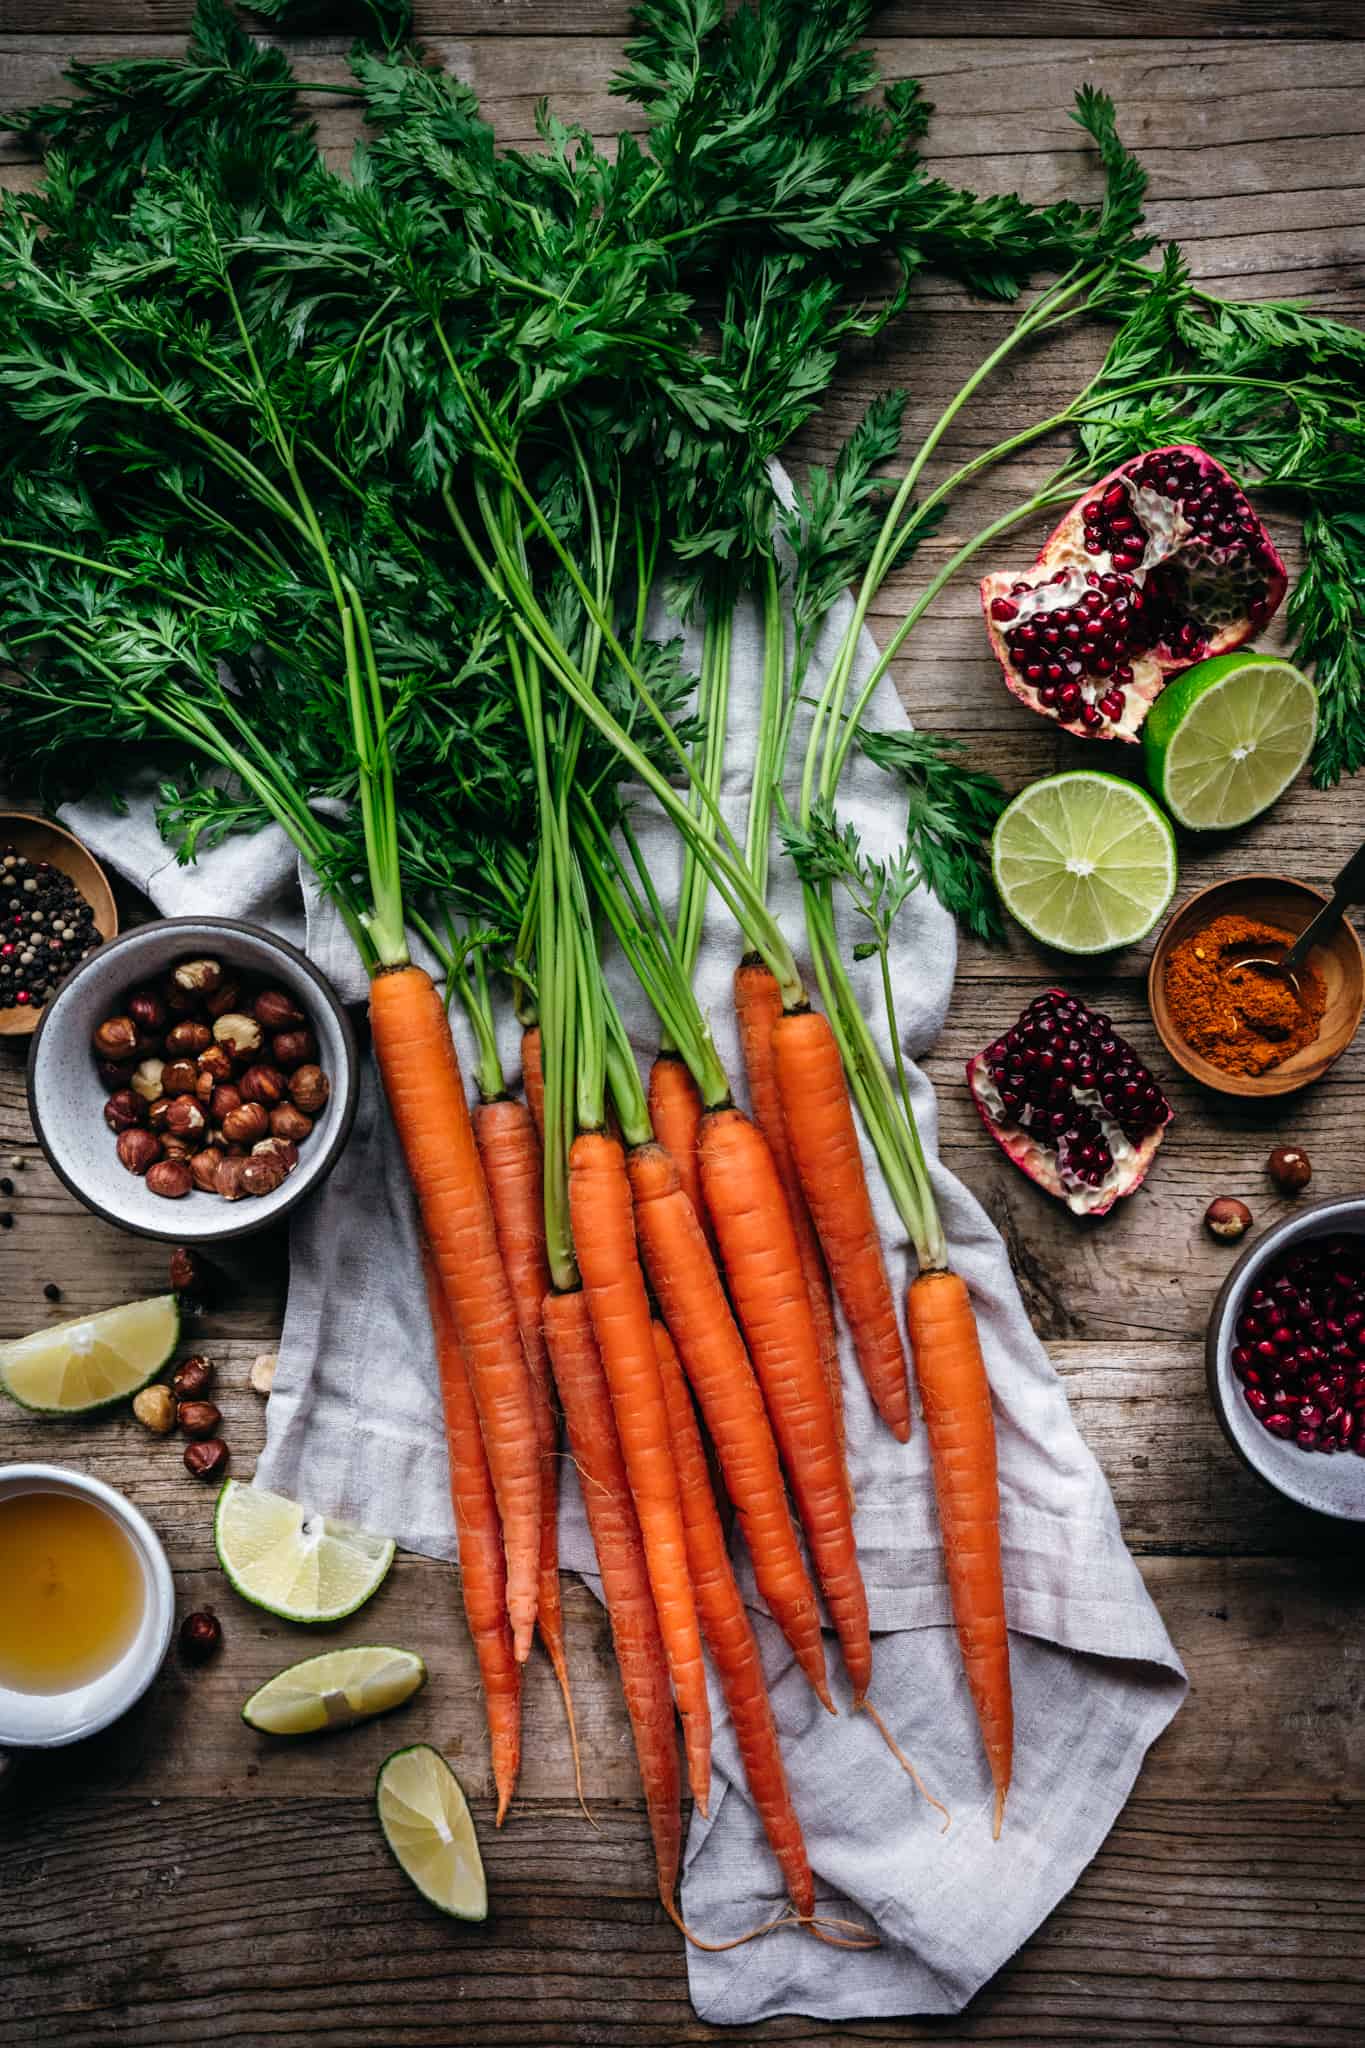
1161 563
1071 1103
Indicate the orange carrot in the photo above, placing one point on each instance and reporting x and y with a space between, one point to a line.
510 1152
689 1292
758 1007
763 1265
483 1567
956 1397
824 1142
604 1243
533 1076
421 1073
730 1637
596 1448
675 1108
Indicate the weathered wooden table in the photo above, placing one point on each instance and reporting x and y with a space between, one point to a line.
179 1879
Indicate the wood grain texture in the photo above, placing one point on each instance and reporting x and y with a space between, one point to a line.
181 1877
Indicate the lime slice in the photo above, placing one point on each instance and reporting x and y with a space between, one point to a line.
299 1565
1084 862
427 1825
1227 738
92 1361
335 1690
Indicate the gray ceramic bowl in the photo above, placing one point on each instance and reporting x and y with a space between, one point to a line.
66 1096
1331 1485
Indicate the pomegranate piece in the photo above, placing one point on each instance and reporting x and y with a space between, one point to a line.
1160 564
1300 1346
1071 1103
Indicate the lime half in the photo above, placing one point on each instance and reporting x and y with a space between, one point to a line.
1085 862
427 1824
335 1690
92 1361
1227 738
302 1566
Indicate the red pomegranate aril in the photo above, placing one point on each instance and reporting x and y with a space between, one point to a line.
1306 1439
1258 1401
1278 1425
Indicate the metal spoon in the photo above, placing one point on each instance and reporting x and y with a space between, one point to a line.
1348 887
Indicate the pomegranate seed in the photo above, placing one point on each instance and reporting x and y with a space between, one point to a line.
1001 608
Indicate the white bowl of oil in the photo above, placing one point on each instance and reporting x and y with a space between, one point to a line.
87 1605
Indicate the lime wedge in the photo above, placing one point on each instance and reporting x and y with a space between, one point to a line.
335 1690
1085 862
1227 738
427 1825
92 1361
296 1564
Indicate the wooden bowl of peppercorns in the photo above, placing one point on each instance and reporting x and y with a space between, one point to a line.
194 1079
56 906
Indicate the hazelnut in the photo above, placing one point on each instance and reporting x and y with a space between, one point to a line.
261 1175
276 1011
293 1048
204 1170
224 1099
288 1122
170 1178
238 1035
116 1038
204 1085
277 1148
123 1110
214 1062
158 1111
200 977
149 1079
177 1148
114 1073
309 1089
1227 1218
263 1373
206 1460
1290 1168
230 1187
263 1084
138 1150
187 1274
246 1124
155 1410
201 1635
227 996
180 1002
179 1077
185 1117
192 1378
188 1038
147 1010
198 1418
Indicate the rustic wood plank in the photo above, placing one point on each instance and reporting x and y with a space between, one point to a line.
160 1941
513 20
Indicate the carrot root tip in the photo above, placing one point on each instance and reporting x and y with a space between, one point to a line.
903 1760
999 1815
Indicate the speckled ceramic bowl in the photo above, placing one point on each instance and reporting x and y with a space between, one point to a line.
66 1096
1330 1485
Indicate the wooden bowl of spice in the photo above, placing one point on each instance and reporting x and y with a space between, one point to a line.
1234 1028
55 906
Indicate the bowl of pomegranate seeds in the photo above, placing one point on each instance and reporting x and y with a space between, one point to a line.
1286 1357
193 1079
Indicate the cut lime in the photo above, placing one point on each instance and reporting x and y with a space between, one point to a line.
335 1690
92 1361
1227 738
1085 862
427 1825
298 1565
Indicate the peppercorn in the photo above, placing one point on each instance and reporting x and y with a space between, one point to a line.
51 1291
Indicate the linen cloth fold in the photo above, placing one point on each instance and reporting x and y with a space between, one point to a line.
1095 1675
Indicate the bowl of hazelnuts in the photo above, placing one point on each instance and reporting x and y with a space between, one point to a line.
193 1079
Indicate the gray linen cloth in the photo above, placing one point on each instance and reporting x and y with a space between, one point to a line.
1096 1678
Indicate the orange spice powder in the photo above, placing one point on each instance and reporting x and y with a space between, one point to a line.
1242 1021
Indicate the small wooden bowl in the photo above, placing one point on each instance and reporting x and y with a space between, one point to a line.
1272 899
40 839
